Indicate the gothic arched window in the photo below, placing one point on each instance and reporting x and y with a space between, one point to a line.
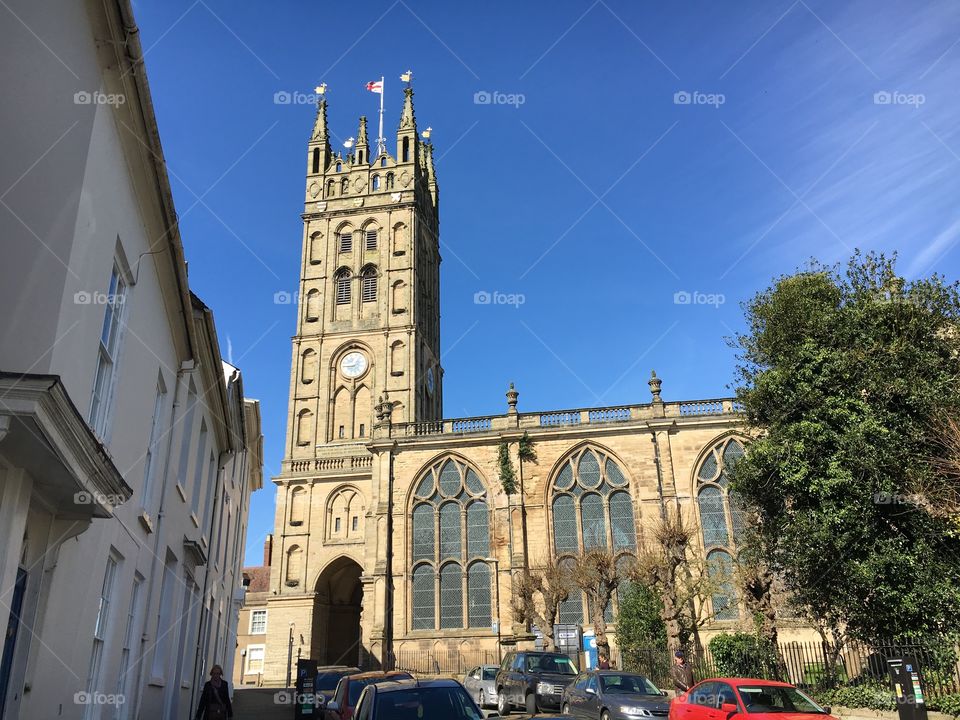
343 287
316 160
389 181
344 186
375 182
722 522
368 284
591 507
450 544
294 565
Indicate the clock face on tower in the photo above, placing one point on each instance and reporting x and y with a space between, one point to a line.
353 365
431 383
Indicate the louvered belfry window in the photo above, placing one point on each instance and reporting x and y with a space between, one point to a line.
591 508
343 288
450 545
346 242
371 239
368 285
722 521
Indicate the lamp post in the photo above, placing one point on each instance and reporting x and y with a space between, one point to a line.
496 575
290 653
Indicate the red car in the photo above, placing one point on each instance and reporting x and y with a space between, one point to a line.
349 688
722 698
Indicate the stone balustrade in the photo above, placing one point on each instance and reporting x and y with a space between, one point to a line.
566 418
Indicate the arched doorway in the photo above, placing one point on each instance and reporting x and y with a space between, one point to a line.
336 614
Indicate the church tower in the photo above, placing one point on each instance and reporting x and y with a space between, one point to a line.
368 326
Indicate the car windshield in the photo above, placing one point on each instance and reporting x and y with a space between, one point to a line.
327 681
426 703
627 683
489 674
775 699
559 664
357 686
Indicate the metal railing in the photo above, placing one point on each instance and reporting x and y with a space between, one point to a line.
809 664
452 662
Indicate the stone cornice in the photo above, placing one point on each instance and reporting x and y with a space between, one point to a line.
42 401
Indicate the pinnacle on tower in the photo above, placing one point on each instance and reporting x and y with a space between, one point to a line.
407 140
407 119
319 141
320 124
362 145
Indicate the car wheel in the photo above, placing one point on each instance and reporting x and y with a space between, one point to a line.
531 704
481 699
604 715
565 710
503 707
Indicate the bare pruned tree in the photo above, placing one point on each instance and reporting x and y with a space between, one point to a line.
595 572
671 563
537 595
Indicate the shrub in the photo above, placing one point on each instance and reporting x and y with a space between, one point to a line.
743 655
949 704
874 696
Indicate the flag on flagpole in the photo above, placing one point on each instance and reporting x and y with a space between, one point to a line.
375 86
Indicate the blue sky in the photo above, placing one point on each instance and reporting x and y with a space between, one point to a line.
650 149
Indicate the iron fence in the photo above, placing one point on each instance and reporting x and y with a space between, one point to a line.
811 665
451 662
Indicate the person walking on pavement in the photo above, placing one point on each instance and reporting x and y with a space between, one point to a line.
215 698
681 673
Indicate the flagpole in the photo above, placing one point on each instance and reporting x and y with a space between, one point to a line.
381 142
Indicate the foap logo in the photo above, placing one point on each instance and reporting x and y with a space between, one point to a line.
282 297
83 297
886 97
482 297
685 97
683 297
886 498
98 698
286 97
495 97
85 497
82 97
292 697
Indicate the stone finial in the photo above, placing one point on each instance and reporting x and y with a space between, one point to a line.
384 410
408 120
320 124
512 396
362 131
654 382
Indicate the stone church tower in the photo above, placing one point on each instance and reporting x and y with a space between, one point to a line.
394 542
368 338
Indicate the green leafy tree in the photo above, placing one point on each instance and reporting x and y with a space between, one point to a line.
843 376
640 631
743 655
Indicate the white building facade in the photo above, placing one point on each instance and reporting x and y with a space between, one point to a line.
128 452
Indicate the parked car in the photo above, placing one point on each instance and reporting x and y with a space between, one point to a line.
719 698
349 688
533 680
417 700
481 683
327 678
613 695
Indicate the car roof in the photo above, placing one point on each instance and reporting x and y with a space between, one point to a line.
747 681
377 674
396 685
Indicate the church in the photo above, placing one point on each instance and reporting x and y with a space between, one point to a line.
393 539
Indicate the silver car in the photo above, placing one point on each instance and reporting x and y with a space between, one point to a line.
479 683
614 695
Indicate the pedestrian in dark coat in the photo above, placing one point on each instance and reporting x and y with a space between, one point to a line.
681 673
215 698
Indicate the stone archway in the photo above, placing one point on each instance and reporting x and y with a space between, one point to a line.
336 614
